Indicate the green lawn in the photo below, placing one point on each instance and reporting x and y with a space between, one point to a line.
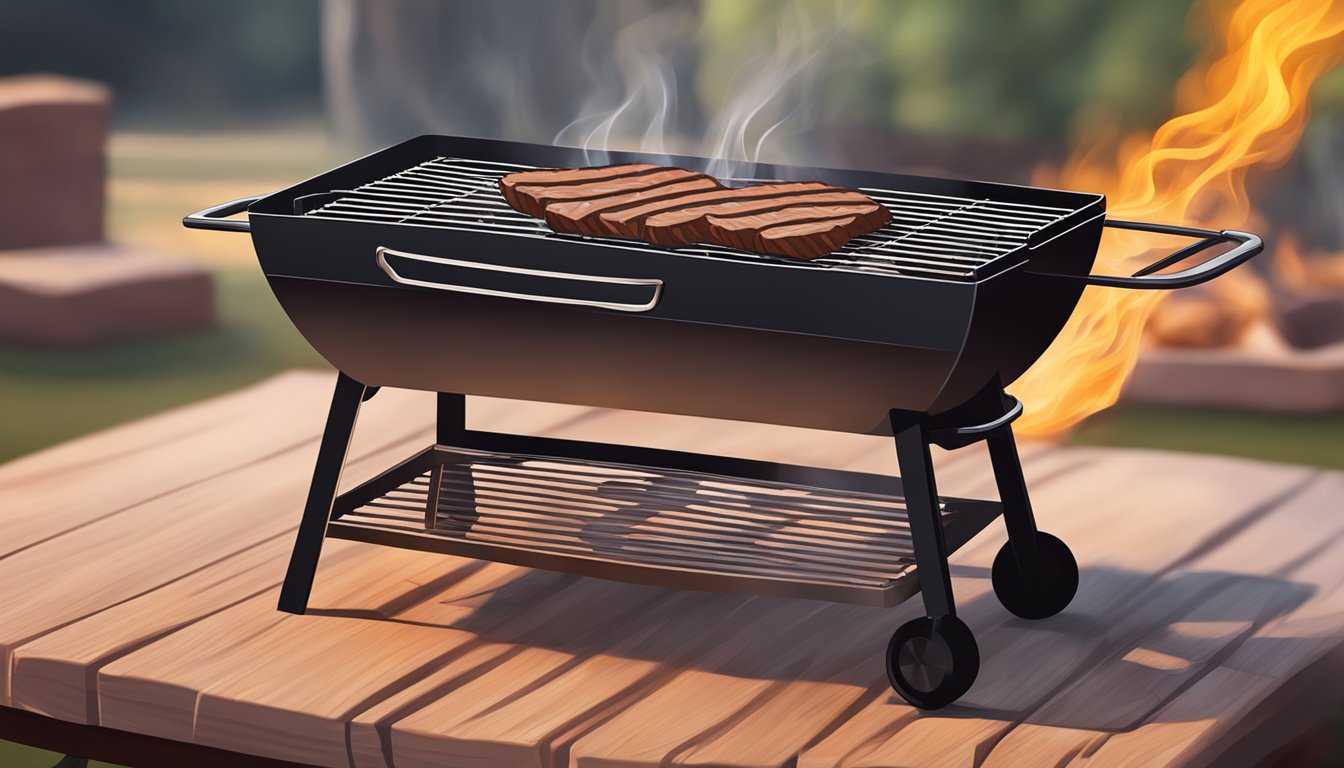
20 756
1310 440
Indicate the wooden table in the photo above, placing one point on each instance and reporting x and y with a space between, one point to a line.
141 566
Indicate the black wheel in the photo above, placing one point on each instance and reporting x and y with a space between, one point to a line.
932 662
1055 582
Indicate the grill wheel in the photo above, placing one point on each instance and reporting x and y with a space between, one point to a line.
931 662
1052 590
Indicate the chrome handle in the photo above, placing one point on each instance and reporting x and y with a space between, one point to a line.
213 217
656 284
1248 245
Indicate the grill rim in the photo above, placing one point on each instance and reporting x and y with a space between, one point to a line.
286 203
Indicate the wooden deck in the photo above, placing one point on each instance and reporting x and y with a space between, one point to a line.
141 566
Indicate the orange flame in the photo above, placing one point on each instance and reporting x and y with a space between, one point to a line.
1243 106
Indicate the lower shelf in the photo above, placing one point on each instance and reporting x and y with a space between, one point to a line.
665 527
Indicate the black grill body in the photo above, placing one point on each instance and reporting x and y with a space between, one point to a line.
731 336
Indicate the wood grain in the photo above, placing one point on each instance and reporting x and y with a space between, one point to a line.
1211 604
73 620
1023 662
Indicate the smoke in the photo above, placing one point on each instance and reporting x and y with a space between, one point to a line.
735 81
775 83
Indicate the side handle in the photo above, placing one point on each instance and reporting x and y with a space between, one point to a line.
214 216
1248 245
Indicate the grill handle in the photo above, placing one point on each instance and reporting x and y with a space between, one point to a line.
213 217
1248 245
542 284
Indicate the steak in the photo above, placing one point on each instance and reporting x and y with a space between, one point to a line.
675 207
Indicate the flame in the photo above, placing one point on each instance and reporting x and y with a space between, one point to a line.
1243 106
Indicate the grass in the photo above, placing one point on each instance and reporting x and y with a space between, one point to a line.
1308 440
20 756
49 396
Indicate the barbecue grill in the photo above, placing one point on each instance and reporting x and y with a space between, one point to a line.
407 269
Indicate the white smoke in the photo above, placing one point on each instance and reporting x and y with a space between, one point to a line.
663 77
773 85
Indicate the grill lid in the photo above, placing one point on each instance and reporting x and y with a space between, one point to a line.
930 235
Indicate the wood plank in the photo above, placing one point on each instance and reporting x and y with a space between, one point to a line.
668 672
224 716
55 665
1272 667
261 656
121 557
743 728
55 673
435 722
640 629
104 474
1119 559
1184 633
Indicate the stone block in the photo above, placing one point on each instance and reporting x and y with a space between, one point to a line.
52 160
87 294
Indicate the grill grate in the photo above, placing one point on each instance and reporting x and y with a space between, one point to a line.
936 236
611 520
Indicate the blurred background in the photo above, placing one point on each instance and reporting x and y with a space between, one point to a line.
184 105
209 103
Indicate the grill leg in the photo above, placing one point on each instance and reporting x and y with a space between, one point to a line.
1017 514
931 660
321 494
451 418
926 524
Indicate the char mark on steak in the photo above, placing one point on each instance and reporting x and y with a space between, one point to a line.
534 198
749 232
629 222
583 217
691 225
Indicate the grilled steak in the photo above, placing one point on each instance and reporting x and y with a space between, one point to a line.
673 207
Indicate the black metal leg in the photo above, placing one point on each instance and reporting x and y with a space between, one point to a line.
321 494
926 523
70 761
451 419
1017 515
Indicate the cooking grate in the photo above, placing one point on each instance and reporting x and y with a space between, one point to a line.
735 534
937 236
